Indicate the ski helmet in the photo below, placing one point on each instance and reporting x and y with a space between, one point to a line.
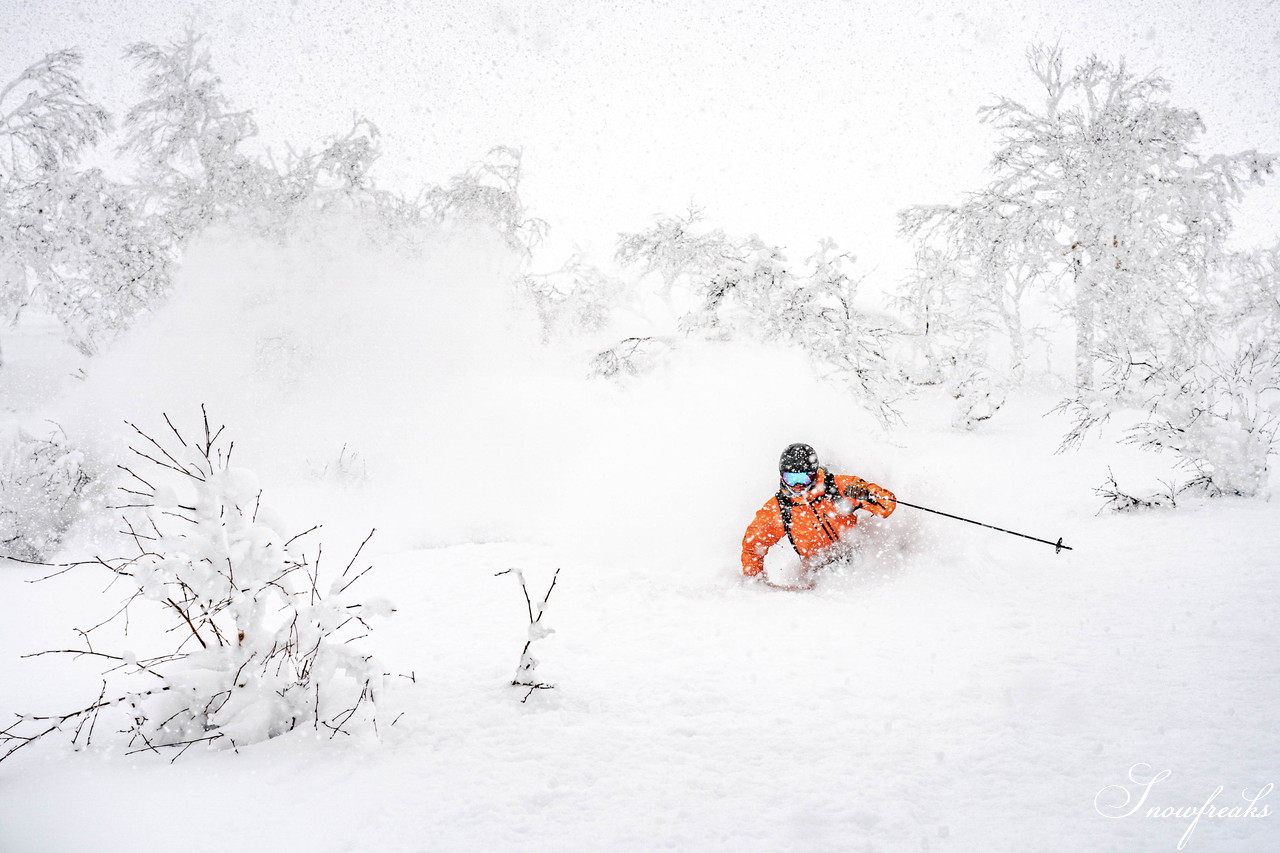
798 458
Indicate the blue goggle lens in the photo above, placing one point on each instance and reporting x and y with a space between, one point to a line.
797 478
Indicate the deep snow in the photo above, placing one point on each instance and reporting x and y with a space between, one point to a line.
953 689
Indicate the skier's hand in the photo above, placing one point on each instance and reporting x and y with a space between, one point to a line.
859 493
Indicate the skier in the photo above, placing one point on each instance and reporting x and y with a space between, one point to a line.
813 508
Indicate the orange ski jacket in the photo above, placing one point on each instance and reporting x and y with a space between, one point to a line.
818 517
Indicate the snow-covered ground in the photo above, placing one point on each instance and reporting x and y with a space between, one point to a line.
951 689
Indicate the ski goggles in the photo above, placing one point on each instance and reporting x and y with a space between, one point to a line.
796 479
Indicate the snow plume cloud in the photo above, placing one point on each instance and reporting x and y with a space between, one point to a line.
322 342
407 390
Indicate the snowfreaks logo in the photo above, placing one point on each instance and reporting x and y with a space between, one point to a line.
1121 801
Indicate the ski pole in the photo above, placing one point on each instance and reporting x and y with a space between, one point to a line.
1057 546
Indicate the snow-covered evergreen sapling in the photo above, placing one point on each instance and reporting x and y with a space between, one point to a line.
263 646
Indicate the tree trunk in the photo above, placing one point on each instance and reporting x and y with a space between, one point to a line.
1085 320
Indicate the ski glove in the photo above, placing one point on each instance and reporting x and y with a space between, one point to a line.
859 493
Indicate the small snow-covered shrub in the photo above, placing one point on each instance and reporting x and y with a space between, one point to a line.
43 482
526 675
1117 499
1221 419
630 357
262 645
346 469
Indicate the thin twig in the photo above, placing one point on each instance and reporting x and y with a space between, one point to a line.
356 555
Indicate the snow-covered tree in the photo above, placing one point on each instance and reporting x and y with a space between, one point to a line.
577 298
951 333
42 482
1100 201
676 249
196 166
69 241
188 140
1251 298
336 180
96 263
488 195
757 294
46 119
968 288
747 289
96 253
1102 206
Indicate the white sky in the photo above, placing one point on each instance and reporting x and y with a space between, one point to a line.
795 120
